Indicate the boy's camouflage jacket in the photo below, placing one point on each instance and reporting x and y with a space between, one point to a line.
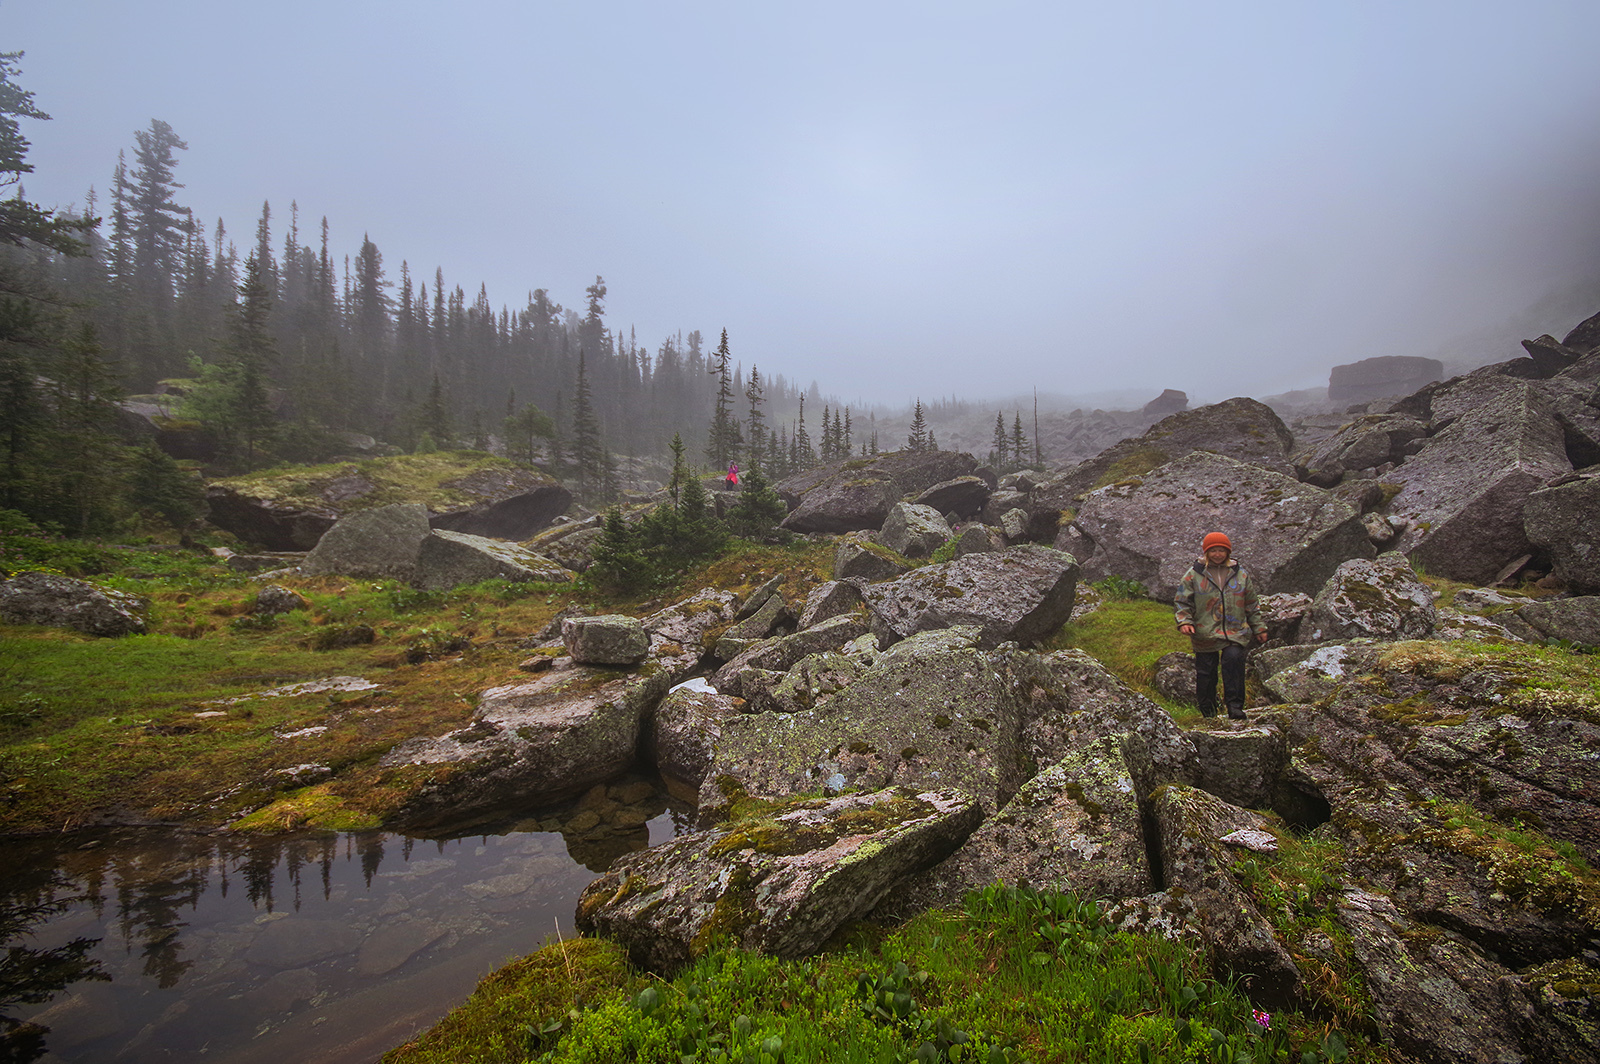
1220 614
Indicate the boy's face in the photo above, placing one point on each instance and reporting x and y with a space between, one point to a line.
1218 556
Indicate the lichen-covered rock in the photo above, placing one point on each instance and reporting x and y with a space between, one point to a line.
1075 826
1238 936
781 884
859 557
530 743
1014 524
1102 705
1291 536
1241 765
1311 672
934 710
382 542
688 722
1463 495
1283 613
1458 624
845 504
450 559
977 539
914 530
1564 520
1243 429
1022 594
61 602
679 633
772 615
609 639
912 471
1575 620
1367 442
836 598
809 683
963 496
780 653
1380 598
1174 678
274 599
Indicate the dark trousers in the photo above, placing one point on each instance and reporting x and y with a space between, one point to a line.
1231 658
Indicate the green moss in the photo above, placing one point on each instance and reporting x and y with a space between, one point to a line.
1130 466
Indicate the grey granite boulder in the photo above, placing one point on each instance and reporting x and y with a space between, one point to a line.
61 602
687 725
1102 705
530 744
1378 598
1310 673
1291 536
1463 495
914 530
780 653
274 599
845 504
1241 765
913 472
384 542
1365 443
977 539
1575 620
679 633
963 496
1382 375
772 615
860 557
1022 594
609 639
451 559
781 884
826 601
1563 519
1174 678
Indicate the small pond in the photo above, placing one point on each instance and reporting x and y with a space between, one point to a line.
309 949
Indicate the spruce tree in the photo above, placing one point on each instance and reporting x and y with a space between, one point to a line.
918 439
1019 443
1000 447
617 560
756 513
723 440
588 450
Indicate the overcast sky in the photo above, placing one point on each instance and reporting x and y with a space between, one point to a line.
891 199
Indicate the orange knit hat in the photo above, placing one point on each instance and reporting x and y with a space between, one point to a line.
1216 539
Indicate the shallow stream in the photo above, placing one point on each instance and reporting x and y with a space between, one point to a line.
321 949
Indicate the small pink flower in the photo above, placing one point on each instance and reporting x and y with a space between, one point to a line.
1263 1019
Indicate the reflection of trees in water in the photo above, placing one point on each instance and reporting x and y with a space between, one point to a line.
148 904
30 976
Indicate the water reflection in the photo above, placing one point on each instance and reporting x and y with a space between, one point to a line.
305 949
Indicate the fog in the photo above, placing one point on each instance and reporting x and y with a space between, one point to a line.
897 200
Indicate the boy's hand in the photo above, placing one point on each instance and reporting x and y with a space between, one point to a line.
1186 629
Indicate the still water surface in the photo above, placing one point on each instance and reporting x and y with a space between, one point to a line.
314 949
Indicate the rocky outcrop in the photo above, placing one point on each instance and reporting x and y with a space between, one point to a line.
1563 519
530 743
608 639
462 491
384 542
1242 429
781 653
914 530
860 500
1022 594
1380 598
1290 535
782 883
860 557
57 601
1385 375
451 559
1170 401
1573 620
1369 442
681 635
836 598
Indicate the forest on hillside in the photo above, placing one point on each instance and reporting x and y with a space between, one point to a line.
286 350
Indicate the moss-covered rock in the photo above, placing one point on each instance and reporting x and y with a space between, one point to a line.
1023 595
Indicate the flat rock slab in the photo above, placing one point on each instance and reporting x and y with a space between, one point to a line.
1576 620
607 639
781 884
1022 594
450 559
1290 536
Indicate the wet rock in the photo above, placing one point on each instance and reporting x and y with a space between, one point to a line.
963 496
1175 677
679 633
1241 765
1563 519
1312 673
1463 495
845 504
297 941
274 599
1575 620
531 743
1102 705
1455 624
1022 594
382 542
395 942
914 530
282 991
609 639
688 723
772 615
836 598
1365 443
1291 536
1014 524
781 653
781 885
62 602
977 539
1075 826
860 557
1380 598
1283 614
451 559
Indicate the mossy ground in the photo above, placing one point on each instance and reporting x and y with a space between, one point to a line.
1129 637
420 478
95 728
1035 977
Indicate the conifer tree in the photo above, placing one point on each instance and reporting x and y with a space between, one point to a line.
1000 447
617 561
757 511
918 438
755 421
722 445
680 471
588 451
1019 442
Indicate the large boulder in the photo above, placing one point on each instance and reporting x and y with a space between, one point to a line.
1573 620
384 542
1366 443
835 598
530 744
860 500
861 557
57 601
1242 429
687 725
1563 519
290 509
1463 495
1022 594
914 530
933 710
913 471
781 884
683 634
781 653
1290 535
451 559
607 639
1102 706
963 496
1384 375
1378 598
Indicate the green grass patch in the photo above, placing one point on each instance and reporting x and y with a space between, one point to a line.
1128 637
1014 976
